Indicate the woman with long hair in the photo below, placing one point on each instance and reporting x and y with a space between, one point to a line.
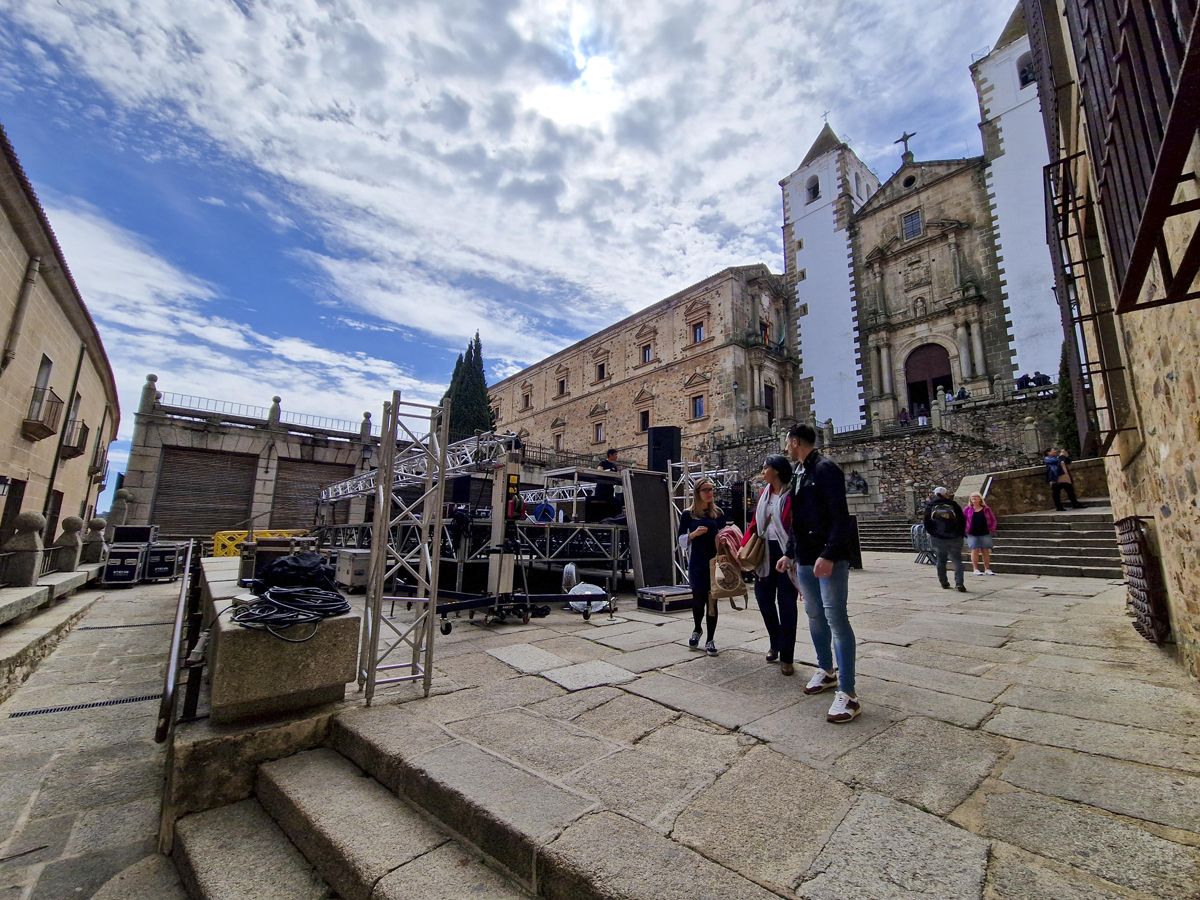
700 525
774 591
981 533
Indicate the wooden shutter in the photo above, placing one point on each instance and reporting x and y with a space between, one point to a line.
298 488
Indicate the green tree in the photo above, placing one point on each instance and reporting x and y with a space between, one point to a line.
470 407
1064 408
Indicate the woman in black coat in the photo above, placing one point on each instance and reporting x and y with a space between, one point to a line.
700 525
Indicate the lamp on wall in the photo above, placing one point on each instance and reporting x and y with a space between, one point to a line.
3 485
735 385
367 452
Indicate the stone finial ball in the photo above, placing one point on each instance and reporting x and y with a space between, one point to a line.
1029 420
30 521
124 494
99 523
71 523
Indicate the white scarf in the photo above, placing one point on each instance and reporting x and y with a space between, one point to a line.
769 530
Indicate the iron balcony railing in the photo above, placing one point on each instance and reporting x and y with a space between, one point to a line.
45 411
75 438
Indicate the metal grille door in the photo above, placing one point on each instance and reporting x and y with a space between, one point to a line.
201 492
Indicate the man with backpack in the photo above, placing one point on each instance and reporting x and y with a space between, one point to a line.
945 524
1058 474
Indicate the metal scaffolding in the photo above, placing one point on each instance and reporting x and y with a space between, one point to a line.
683 478
423 463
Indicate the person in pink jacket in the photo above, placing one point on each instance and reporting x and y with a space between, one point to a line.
981 532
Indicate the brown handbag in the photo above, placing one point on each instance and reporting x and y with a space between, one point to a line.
750 555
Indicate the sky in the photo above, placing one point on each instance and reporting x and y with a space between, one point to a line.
325 199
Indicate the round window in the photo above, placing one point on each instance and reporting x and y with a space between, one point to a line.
910 181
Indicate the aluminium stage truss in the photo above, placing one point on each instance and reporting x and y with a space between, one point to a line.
423 464
683 478
412 464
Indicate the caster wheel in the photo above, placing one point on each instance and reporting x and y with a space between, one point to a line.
447 627
408 605
471 614
587 614
525 618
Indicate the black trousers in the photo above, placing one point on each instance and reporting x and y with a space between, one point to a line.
1059 487
776 596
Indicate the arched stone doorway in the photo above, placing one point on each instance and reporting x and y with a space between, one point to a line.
926 369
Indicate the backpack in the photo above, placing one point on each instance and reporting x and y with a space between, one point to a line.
943 519
1053 469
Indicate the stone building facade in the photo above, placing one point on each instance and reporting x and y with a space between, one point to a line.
718 357
1124 208
926 287
58 399
197 466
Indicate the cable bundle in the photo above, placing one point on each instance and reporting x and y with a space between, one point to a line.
280 607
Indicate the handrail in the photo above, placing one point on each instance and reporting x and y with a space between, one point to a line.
166 706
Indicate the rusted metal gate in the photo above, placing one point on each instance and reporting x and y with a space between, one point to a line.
298 486
201 491
1144 579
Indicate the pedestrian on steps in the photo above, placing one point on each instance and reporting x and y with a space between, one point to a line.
1058 474
981 533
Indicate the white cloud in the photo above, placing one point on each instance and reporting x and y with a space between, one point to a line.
531 170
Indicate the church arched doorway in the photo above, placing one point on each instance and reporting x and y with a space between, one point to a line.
926 369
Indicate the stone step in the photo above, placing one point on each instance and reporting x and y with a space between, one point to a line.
236 851
1001 557
1071 517
1056 550
362 839
1058 571
549 836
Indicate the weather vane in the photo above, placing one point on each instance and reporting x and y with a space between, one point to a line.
825 116
904 139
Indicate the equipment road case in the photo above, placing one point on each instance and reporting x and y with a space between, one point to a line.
126 563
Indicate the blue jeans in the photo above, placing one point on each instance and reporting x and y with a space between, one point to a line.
825 604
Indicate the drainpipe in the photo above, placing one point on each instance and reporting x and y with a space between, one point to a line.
62 437
14 327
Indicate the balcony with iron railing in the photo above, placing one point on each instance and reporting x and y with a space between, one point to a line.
100 477
45 410
75 438
755 338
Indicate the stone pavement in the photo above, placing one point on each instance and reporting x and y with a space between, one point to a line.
80 790
1019 740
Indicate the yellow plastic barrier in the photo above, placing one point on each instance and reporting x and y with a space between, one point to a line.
229 543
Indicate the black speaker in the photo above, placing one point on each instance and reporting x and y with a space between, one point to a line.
662 446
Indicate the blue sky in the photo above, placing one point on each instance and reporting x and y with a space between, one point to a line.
324 199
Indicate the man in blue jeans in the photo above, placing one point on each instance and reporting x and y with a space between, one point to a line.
819 546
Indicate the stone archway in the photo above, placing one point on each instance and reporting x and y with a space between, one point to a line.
925 370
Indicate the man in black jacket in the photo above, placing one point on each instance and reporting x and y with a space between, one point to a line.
945 524
819 547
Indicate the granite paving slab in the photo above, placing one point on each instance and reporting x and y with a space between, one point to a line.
940 680
1141 792
1126 656
1016 875
528 658
706 701
762 798
574 649
918 656
656 657
627 718
1094 842
569 705
643 785
464 704
802 732
450 872
887 849
1093 705
607 855
934 704
701 744
588 675
546 746
729 664
925 762
1142 745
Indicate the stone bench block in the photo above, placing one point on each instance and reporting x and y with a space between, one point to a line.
255 674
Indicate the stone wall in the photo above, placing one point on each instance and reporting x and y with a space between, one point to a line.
1026 489
1003 422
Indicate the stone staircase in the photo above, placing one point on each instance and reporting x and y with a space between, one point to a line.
1076 543
319 826
887 533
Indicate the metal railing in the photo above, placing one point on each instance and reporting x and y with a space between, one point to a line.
324 423
75 438
186 611
219 407
45 410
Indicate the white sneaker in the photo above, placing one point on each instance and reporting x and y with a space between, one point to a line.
821 681
989 572
977 572
844 708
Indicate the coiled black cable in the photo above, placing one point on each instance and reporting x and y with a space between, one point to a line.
280 607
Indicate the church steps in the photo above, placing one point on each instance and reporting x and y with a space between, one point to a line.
237 851
1024 567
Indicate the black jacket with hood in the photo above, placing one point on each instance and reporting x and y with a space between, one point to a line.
820 518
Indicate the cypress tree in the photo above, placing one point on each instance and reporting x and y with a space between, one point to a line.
1064 408
470 409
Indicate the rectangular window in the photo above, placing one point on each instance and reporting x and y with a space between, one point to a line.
697 404
647 353
598 433
562 386
558 441
910 224
601 371
697 332
526 400
644 420
802 274
769 402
